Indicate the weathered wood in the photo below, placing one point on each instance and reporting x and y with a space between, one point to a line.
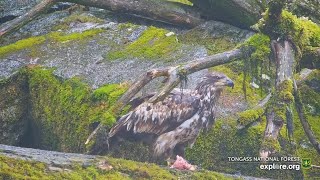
284 58
155 9
24 19
263 102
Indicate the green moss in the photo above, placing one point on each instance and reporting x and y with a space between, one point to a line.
211 150
309 94
182 1
304 149
284 91
76 17
125 26
258 62
110 92
63 110
235 72
249 116
152 44
271 144
22 44
302 32
140 170
208 175
261 45
282 100
61 37
122 170
19 169
30 43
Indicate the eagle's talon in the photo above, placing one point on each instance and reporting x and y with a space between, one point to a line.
170 162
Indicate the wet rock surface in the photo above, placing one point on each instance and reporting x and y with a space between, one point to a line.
87 59
48 157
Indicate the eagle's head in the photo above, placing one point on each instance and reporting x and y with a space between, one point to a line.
215 80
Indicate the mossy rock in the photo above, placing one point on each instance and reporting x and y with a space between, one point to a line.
154 43
30 44
13 104
53 113
121 170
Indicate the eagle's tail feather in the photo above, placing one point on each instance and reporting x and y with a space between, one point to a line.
123 121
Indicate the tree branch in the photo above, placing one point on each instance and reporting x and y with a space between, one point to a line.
303 119
173 74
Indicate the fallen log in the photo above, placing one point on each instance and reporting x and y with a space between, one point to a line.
168 12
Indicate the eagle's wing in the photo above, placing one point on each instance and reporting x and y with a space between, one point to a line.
160 117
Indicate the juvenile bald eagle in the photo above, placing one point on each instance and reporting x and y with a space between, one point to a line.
175 122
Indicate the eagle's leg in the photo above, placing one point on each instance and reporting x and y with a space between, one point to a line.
179 150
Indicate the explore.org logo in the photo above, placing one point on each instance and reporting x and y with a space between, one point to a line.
276 163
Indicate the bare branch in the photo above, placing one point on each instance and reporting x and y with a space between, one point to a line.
173 74
263 102
303 119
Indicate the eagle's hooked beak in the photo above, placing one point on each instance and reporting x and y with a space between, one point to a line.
230 83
